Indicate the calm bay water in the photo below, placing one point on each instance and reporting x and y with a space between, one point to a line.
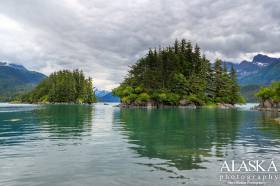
106 145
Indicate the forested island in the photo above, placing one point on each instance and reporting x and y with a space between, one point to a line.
269 97
62 87
178 75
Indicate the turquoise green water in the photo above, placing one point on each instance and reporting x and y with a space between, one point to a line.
106 145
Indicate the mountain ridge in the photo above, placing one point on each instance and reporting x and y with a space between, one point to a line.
252 75
16 79
250 72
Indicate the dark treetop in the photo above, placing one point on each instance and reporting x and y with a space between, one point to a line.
62 87
178 75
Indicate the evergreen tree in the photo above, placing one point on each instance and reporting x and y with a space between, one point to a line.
178 72
63 87
197 59
218 81
90 96
179 84
234 89
176 46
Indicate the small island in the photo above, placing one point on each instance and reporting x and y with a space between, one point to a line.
269 97
62 87
178 75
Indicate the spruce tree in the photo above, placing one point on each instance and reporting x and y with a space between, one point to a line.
178 72
218 81
63 87
234 89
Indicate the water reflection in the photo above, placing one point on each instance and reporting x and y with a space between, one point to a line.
50 121
182 136
81 145
65 120
268 125
16 126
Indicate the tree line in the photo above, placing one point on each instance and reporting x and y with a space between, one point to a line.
179 72
62 87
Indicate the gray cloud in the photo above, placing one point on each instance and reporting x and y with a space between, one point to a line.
104 37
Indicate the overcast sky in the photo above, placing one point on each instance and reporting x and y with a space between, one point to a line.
104 37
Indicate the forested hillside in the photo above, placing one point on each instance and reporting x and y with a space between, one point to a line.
62 87
178 75
16 79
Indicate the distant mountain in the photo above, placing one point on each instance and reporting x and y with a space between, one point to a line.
15 79
262 70
243 69
264 60
265 76
106 96
101 93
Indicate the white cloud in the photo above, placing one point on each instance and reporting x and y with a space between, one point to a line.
104 37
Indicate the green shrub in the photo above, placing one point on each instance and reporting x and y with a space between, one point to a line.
241 100
127 90
126 100
143 97
44 99
122 91
195 99
132 97
138 89
272 92
168 98
265 93
161 97
173 98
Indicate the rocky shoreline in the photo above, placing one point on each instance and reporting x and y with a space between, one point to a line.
182 104
268 105
51 103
